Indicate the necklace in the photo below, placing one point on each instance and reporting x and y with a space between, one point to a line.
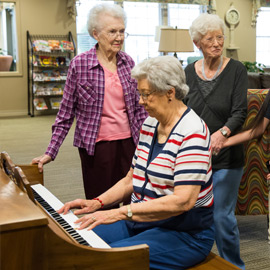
217 72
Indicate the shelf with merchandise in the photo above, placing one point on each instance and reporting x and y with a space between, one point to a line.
48 62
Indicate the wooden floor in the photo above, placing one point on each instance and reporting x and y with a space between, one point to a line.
25 137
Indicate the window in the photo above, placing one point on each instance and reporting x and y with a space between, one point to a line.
142 20
181 16
263 37
84 41
9 37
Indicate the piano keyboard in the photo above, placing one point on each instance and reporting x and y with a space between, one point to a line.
50 203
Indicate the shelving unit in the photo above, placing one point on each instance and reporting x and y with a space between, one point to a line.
48 61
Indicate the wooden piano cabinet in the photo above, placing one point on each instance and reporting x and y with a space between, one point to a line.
32 174
32 240
22 249
62 254
22 226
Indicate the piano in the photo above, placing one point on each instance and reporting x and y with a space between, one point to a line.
34 236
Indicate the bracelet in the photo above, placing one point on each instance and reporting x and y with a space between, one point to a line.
97 199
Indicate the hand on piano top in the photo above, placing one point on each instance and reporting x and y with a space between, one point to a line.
93 219
41 160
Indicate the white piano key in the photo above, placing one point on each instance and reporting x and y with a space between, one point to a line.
90 236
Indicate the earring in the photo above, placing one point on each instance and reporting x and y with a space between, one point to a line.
170 99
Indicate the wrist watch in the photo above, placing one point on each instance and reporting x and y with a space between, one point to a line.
129 212
224 132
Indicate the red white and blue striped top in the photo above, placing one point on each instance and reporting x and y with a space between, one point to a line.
185 159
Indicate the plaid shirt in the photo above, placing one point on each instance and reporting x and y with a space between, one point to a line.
83 99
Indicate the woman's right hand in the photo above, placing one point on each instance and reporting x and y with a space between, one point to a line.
41 160
86 206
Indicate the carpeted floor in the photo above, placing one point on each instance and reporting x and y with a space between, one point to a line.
25 138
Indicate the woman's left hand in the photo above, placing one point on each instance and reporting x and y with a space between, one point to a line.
217 141
97 218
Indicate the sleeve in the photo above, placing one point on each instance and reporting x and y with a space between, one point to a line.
267 114
193 160
239 100
65 115
134 160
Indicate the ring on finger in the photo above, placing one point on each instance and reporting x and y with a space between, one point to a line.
93 218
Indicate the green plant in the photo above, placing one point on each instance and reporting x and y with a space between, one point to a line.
254 66
3 52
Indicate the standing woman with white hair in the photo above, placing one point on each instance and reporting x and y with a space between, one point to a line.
218 94
102 96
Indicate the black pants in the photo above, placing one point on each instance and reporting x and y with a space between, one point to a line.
110 163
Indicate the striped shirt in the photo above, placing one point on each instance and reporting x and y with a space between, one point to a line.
184 160
83 99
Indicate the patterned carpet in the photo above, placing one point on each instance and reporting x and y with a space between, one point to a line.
25 138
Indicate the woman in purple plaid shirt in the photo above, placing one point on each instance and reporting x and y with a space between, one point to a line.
102 96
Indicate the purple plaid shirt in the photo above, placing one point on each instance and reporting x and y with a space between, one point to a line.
83 99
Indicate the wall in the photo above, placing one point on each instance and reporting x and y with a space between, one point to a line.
38 17
245 34
50 17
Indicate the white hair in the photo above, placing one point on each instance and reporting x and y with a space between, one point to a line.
163 73
205 23
97 16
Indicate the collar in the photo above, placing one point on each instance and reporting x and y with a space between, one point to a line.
121 57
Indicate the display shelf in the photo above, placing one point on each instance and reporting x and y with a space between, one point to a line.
48 62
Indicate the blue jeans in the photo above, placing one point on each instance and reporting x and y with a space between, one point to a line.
168 249
225 185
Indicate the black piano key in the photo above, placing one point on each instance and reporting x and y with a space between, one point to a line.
60 220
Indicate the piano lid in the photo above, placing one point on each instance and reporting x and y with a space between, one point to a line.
17 211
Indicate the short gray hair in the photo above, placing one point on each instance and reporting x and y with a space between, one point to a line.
204 23
162 73
94 20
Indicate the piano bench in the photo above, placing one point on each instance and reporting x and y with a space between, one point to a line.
214 262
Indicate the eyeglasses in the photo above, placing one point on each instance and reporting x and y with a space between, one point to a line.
211 40
115 33
145 96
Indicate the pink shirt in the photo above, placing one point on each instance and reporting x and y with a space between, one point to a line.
114 118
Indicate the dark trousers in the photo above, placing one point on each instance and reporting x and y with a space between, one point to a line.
110 163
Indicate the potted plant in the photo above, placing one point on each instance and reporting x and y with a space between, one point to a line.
5 61
254 67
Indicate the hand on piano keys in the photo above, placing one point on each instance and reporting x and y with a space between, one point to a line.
68 221
84 206
91 220
100 217
95 218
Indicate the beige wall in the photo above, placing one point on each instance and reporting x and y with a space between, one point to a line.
47 17
244 34
50 17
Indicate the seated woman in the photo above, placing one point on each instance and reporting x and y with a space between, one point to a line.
170 180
